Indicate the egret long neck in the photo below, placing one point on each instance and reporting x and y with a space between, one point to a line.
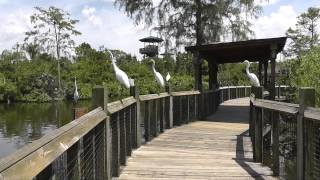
247 68
153 69
75 85
114 65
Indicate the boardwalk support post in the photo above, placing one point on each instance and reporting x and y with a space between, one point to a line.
306 99
275 121
258 126
100 99
134 91
169 90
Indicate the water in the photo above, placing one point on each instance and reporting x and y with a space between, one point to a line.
22 123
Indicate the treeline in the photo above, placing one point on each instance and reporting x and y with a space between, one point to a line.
37 79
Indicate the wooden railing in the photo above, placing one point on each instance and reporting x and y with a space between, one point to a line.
286 136
96 145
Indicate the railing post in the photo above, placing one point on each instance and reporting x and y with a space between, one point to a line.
188 111
169 90
100 99
275 142
147 112
155 117
306 98
258 126
134 91
237 93
78 112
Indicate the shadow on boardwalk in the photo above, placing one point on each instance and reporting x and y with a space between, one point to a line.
233 111
216 148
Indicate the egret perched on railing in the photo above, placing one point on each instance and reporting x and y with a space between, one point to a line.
253 78
121 76
157 75
168 77
75 93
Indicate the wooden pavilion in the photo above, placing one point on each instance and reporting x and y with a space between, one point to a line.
256 50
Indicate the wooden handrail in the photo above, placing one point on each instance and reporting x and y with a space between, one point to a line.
148 97
185 93
161 112
312 113
31 159
303 125
121 104
276 106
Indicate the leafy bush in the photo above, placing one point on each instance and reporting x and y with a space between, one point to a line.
306 73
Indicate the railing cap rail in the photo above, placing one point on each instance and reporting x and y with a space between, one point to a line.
148 97
39 154
312 113
120 104
185 93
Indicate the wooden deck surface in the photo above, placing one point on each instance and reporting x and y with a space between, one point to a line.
215 148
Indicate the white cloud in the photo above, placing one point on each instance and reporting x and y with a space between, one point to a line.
13 27
275 24
89 13
115 31
265 2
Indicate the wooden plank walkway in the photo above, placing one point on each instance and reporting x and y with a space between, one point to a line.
215 148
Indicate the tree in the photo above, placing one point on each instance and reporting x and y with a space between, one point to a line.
53 30
306 73
304 36
202 21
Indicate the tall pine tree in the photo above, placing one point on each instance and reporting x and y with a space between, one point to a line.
304 36
200 21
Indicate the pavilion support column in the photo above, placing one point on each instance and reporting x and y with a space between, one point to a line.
197 63
260 72
210 66
265 74
213 73
273 71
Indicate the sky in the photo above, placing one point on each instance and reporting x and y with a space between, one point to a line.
103 24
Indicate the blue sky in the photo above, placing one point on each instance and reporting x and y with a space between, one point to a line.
103 24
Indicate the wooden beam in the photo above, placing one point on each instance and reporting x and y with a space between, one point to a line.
197 62
273 56
215 75
211 74
258 126
169 91
134 91
265 74
306 99
100 97
275 119
260 72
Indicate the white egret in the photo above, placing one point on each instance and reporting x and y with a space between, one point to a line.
121 76
253 78
157 75
168 77
75 93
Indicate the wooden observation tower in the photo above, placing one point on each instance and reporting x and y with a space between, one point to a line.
150 48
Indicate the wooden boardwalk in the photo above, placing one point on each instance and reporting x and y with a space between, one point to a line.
215 148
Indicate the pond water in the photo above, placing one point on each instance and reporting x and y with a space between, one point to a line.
22 123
